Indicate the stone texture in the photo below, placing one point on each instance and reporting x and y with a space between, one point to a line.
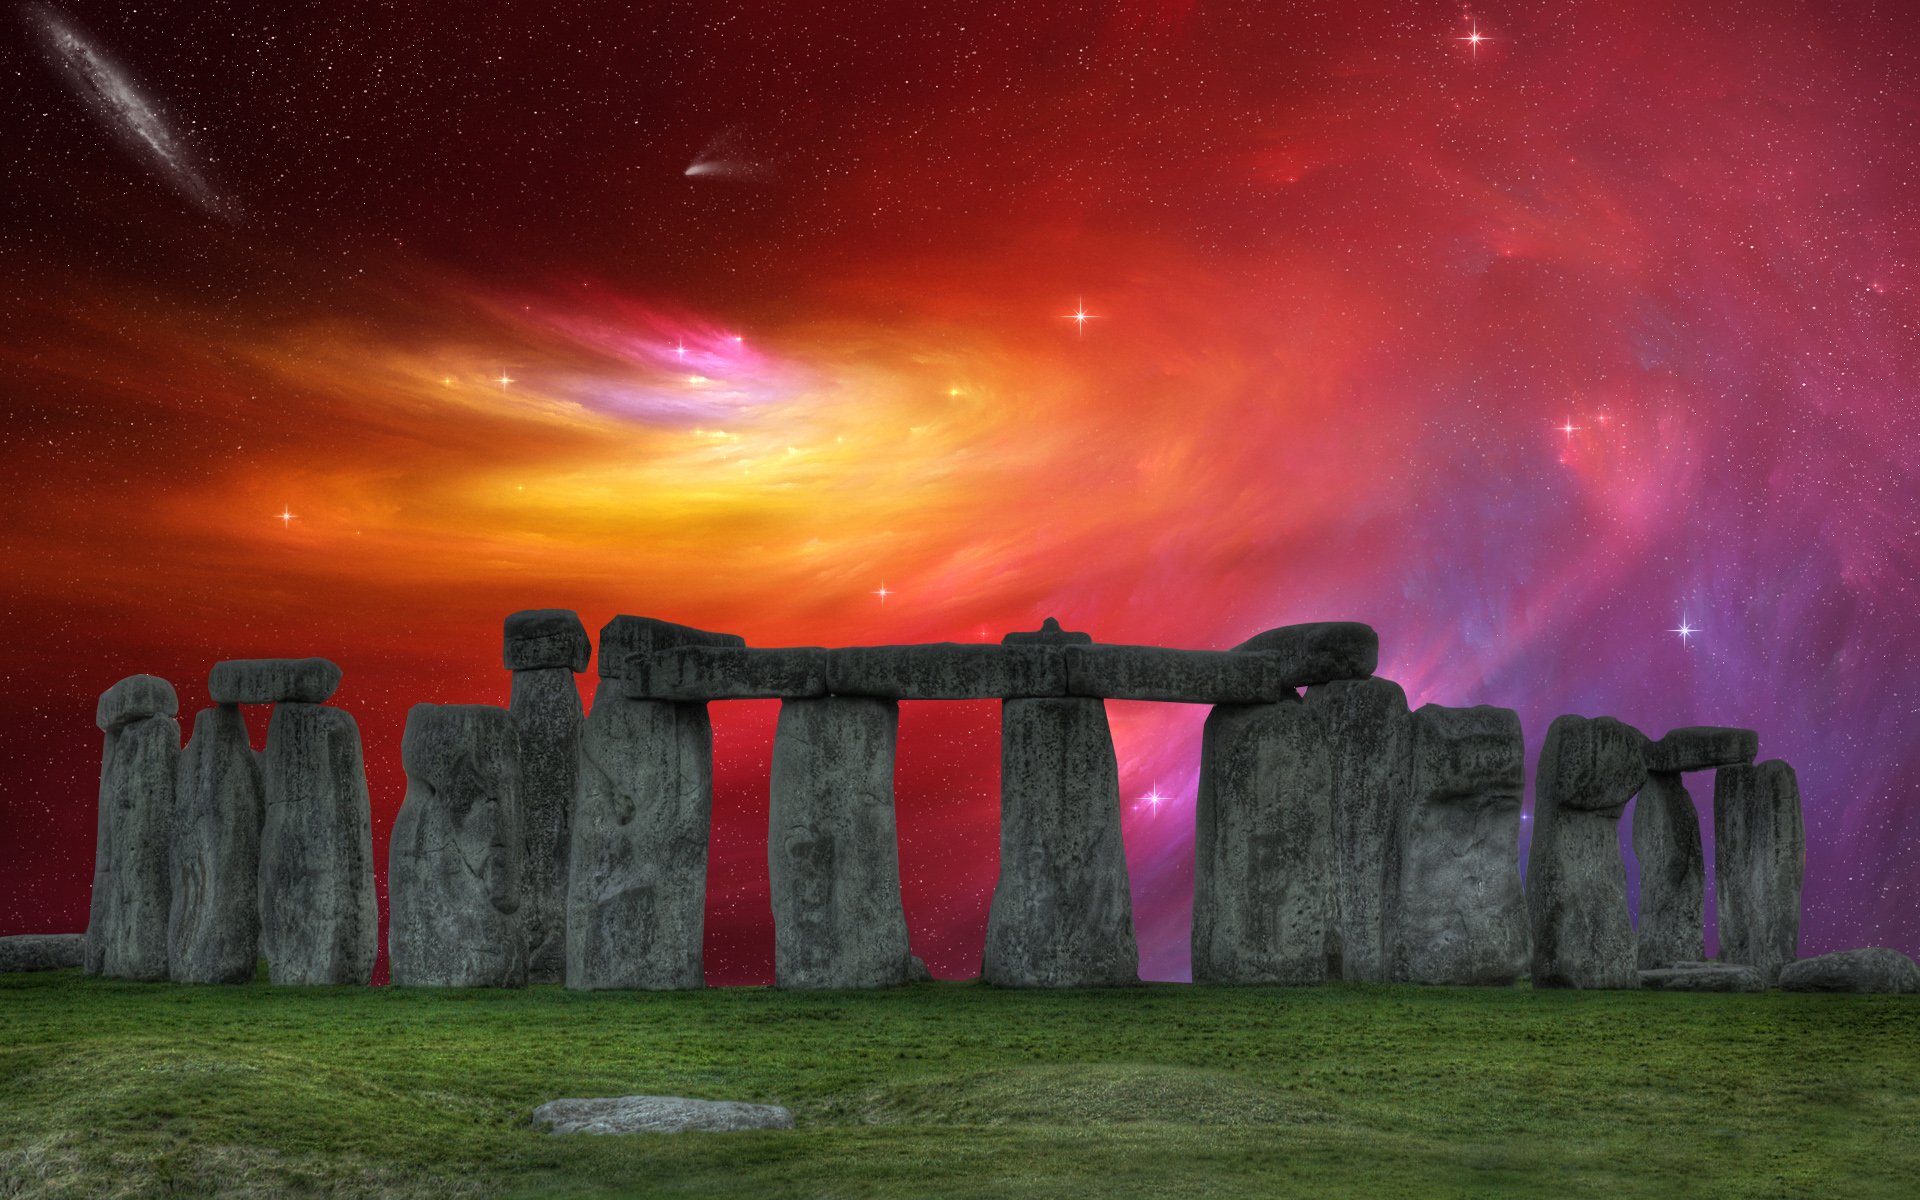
42 952
947 671
1061 914
1703 977
453 865
539 638
636 900
273 681
318 923
132 889
1320 651
547 717
833 857
1576 880
729 673
1263 847
1458 915
1666 844
1049 634
1759 857
1369 734
1179 676
624 639
658 1114
213 924
1700 747
135 698
1870 969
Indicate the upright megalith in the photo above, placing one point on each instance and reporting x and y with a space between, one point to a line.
213 928
1369 736
833 857
1666 841
454 864
132 891
1263 867
637 869
544 647
1457 914
1062 914
318 923
1759 860
1576 881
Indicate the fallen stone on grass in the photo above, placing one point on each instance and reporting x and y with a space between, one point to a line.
1703 977
658 1114
41 952
1868 969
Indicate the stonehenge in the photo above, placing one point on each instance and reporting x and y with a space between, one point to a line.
42 952
1339 835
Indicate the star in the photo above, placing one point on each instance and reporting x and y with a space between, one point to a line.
1569 428
285 517
1473 39
1080 316
1154 798
504 380
1684 629
882 591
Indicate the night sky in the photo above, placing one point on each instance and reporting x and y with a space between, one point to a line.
349 329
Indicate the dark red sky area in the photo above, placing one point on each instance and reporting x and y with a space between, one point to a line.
349 329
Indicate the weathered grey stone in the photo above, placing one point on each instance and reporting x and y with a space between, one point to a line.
538 638
1179 676
1458 915
135 698
947 671
1699 747
1576 880
729 673
318 923
624 639
273 681
127 931
1666 844
1320 651
42 952
833 858
1759 857
453 866
213 924
1369 735
1263 847
1703 977
658 1114
547 716
636 899
1869 969
1049 634
1061 914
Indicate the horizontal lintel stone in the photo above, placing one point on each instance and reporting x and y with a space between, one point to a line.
947 671
727 673
625 638
1321 651
537 638
1700 747
273 681
1116 672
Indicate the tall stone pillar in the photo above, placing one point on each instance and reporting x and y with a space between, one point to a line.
1263 865
1666 842
213 928
1759 862
1369 734
832 852
544 648
453 876
132 892
1576 881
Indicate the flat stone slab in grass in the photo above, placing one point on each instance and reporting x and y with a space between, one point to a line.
658 1114
273 681
1869 969
1699 747
41 952
1703 977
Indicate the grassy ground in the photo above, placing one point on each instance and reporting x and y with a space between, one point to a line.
959 1090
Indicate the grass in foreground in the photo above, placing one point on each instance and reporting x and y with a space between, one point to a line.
960 1090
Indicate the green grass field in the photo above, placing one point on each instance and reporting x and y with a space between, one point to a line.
960 1090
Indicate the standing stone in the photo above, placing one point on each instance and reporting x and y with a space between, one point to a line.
832 854
127 931
453 868
1458 915
1759 858
318 923
544 647
213 928
1061 914
1576 881
1263 866
1369 734
1666 844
